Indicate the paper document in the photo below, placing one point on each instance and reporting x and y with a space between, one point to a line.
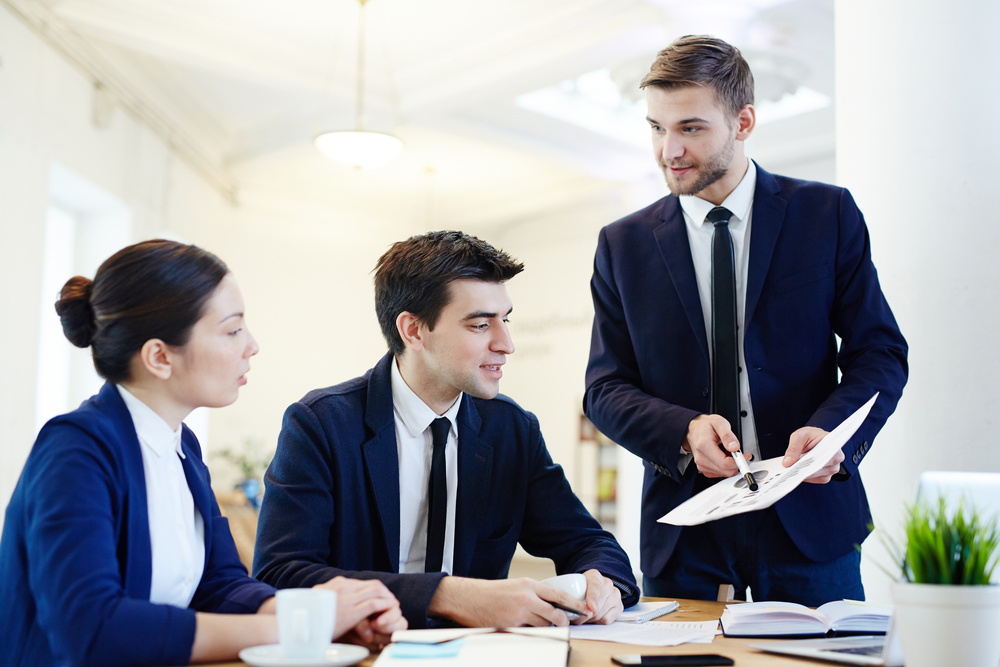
481 647
731 496
654 633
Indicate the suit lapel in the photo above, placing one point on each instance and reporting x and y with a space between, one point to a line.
672 241
198 484
768 216
138 567
381 456
475 461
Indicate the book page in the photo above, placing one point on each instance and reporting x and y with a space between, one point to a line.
732 496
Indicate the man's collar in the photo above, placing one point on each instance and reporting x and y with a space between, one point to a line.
738 202
413 412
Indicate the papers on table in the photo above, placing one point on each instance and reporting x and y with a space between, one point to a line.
731 496
657 633
480 647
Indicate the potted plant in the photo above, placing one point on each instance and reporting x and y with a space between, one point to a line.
251 462
947 612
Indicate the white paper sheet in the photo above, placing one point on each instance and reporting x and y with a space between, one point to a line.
731 496
654 633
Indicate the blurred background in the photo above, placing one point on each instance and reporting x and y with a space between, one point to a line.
521 122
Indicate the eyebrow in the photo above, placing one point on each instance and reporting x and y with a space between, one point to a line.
229 317
483 314
685 121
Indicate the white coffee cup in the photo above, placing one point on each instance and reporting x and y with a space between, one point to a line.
306 620
575 584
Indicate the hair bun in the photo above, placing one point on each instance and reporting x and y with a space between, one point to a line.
75 311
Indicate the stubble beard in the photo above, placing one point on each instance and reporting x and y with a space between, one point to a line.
713 169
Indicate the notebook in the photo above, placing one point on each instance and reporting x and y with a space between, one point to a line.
787 619
478 647
883 650
646 611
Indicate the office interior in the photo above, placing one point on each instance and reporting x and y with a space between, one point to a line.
522 123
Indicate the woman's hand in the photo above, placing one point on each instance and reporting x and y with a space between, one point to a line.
367 607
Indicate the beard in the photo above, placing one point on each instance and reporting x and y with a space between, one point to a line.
714 168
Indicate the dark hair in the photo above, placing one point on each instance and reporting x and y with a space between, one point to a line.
700 60
153 289
413 276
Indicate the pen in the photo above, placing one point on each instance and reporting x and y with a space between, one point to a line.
741 463
570 612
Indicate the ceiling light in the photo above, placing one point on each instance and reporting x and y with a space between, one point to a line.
359 148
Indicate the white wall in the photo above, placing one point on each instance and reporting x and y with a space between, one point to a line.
45 118
304 269
916 146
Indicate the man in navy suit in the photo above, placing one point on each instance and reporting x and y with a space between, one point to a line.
420 475
803 276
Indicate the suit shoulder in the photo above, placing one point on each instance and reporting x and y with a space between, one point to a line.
503 407
797 187
348 391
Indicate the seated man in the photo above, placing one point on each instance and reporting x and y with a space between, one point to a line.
419 474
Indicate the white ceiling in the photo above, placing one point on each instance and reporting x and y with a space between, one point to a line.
248 83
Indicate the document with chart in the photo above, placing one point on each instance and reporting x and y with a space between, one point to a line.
731 496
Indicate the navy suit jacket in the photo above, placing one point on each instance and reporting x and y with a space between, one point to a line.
331 505
810 276
76 557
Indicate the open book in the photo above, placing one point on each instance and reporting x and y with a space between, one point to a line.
787 619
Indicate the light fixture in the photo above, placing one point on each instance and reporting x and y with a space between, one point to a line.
359 148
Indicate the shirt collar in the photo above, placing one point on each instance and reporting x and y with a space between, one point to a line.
738 202
413 412
152 430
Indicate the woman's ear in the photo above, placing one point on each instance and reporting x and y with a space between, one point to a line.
410 330
156 358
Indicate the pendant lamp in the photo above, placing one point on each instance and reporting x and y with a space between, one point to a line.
359 148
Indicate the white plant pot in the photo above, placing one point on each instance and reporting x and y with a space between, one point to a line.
948 625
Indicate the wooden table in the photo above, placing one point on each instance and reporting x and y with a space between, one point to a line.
586 653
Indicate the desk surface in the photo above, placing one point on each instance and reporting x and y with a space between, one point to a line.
587 653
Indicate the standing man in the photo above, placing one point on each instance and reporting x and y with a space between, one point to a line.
420 475
716 315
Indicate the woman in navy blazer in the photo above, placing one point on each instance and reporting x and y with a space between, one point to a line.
165 322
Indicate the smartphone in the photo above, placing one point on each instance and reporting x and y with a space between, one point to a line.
699 659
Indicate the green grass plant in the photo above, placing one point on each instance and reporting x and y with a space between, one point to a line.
960 550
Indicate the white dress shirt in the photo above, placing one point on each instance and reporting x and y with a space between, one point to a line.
414 446
700 231
176 527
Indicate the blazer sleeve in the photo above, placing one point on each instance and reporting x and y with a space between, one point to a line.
297 515
650 427
225 587
873 352
70 537
556 525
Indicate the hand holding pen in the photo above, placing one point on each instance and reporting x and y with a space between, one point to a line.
715 448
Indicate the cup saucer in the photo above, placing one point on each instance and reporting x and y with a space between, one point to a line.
271 655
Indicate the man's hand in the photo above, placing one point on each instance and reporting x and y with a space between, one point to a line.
367 607
801 442
704 435
603 599
503 603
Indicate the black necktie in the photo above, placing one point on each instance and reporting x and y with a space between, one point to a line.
725 354
437 497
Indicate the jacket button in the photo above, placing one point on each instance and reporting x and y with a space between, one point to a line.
704 392
743 413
